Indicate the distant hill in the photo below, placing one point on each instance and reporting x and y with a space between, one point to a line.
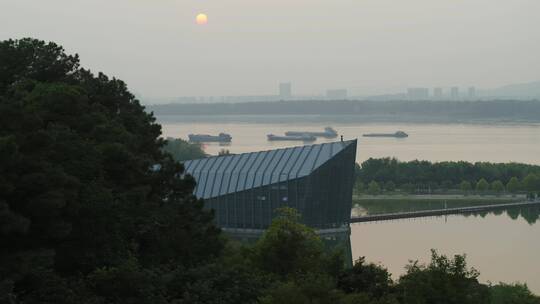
529 90
354 110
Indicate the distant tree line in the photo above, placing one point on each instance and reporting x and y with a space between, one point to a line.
406 110
389 174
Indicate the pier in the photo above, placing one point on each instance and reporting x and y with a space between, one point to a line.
439 212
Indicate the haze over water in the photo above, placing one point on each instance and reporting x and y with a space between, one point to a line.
433 142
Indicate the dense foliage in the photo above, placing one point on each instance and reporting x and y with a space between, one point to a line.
181 150
80 210
423 176
452 279
512 293
85 216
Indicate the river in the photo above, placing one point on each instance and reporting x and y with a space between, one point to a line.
503 247
433 142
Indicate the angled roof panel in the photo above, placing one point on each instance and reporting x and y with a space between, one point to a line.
227 173
220 175
250 178
193 164
202 184
300 162
324 155
309 164
273 165
281 165
286 172
235 175
196 171
244 172
210 179
258 181
336 148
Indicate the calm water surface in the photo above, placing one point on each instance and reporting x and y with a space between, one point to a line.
501 248
434 142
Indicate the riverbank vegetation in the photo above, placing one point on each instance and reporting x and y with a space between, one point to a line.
182 150
391 176
84 217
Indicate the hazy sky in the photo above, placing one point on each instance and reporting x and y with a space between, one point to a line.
249 46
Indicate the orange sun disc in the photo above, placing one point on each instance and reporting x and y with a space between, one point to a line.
201 19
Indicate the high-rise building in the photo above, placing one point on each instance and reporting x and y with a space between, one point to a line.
471 93
338 94
285 90
438 93
417 93
454 92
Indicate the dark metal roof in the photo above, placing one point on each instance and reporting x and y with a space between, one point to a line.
220 175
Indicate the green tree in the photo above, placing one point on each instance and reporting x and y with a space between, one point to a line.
482 186
389 186
512 293
430 174
409 188
360 187
288 247
373 188
217 282
513 185
370 279
531 183
223 152
80 207
447 185
465 186
497 186
442 281
310 288
181 150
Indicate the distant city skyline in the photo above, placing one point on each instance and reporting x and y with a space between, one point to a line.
285 91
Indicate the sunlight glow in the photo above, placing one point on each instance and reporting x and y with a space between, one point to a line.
201 19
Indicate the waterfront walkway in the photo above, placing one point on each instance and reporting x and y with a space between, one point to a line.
439 212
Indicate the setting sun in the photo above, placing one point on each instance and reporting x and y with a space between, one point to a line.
202 19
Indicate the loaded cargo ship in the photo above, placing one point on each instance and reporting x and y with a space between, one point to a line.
398 134
222 137
328 132
303 137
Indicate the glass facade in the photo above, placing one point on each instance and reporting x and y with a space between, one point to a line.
246 189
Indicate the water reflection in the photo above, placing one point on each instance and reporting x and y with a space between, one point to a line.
500 244
529 214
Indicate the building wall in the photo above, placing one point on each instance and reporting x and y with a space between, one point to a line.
255 208
330 191
323 198
285 90
418 93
